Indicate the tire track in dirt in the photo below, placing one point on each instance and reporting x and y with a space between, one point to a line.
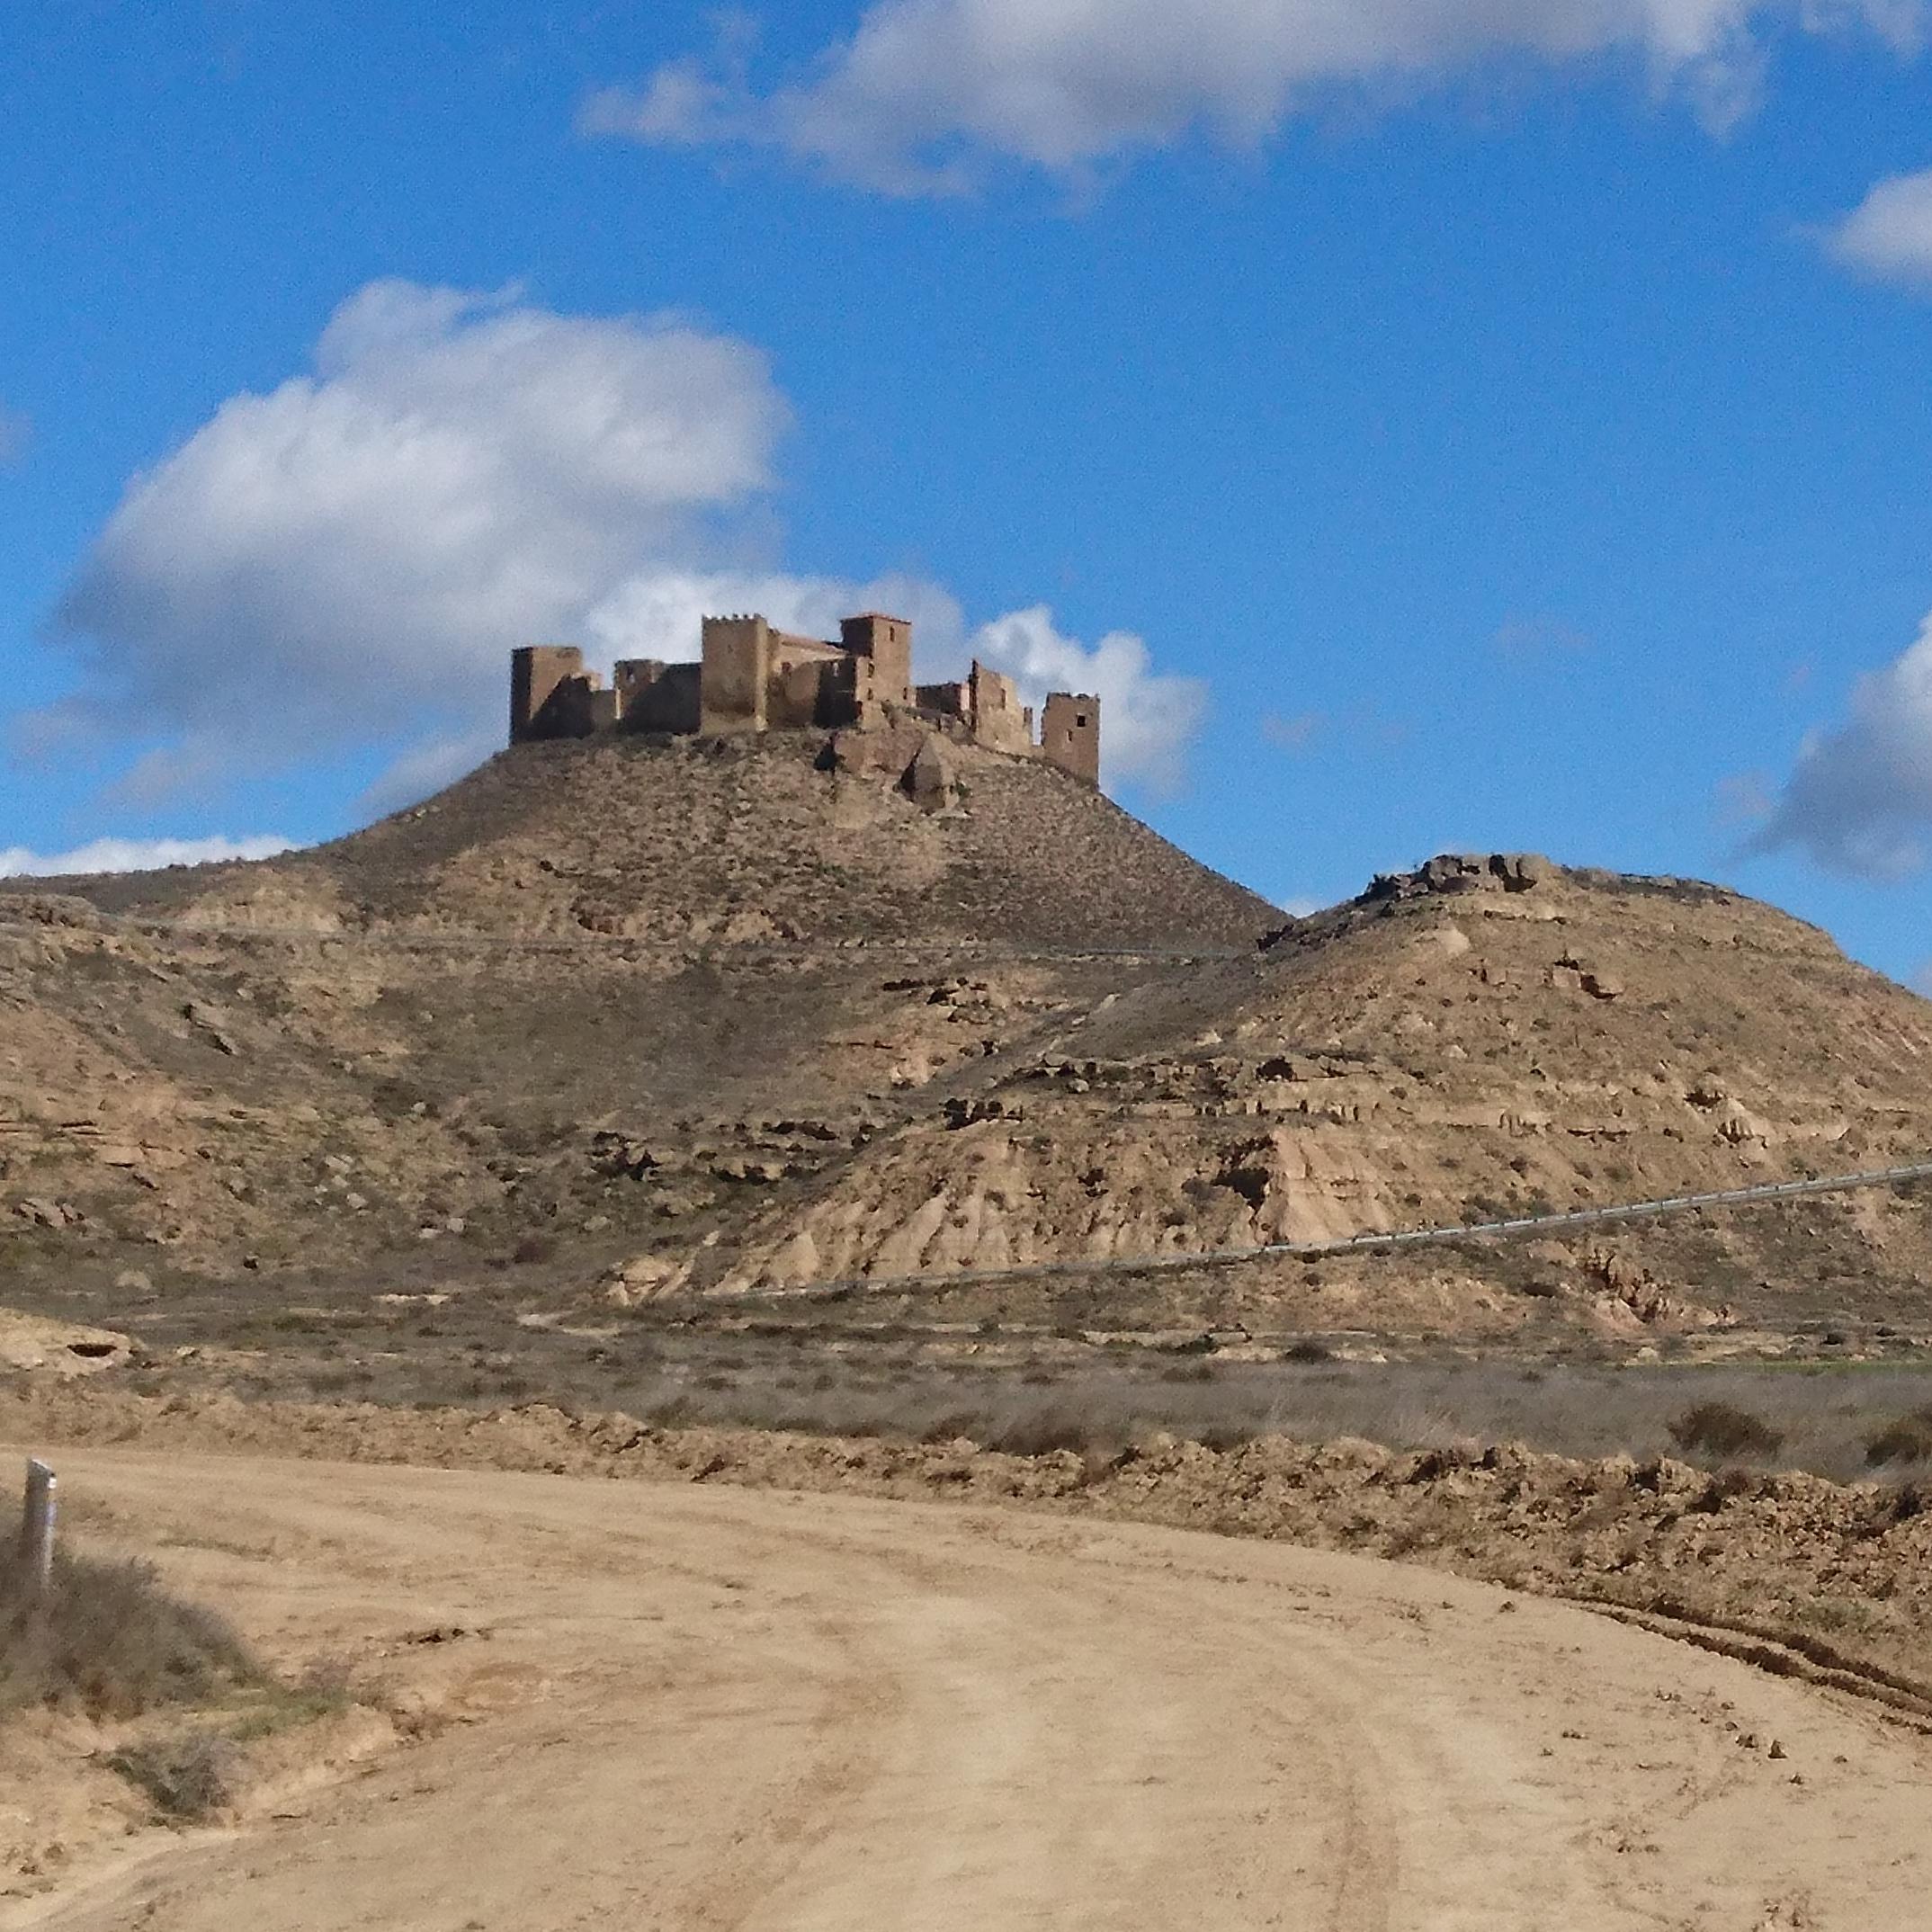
749 1712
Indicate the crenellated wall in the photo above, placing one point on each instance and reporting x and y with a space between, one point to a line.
753 677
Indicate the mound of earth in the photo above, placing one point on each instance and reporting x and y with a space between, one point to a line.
1484 1038
785 838
594 994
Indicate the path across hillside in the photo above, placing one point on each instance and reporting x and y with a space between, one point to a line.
1375 1241
734 1709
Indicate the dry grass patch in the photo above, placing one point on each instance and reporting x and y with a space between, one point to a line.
187 1776
107 1640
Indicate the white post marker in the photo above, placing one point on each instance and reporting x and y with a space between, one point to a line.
37 1524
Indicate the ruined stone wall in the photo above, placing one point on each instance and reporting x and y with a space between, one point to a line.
793 700
952 699
536 673
1069 735
999 720
653 696
798 672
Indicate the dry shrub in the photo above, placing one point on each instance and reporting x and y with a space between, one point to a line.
533 1248
107 1640
1722 1428
1039 1428
188 1776
1905 1439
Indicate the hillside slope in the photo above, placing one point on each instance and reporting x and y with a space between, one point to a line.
594 996
734 841
1481 1037
753 1019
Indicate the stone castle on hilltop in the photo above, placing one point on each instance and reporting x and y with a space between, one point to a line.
753 677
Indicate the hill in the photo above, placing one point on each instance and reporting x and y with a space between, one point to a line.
779 838
1481 1037
592 995
751 1018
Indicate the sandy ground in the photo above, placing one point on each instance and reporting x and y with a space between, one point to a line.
695 1707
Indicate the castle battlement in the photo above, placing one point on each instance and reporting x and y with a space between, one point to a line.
753 677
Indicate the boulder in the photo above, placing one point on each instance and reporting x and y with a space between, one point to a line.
931 780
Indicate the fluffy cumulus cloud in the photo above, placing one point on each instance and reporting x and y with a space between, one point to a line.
1147 721
337 560
1859 798
134 855
1889 235
924 90
347 559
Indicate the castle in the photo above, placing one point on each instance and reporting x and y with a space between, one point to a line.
755 677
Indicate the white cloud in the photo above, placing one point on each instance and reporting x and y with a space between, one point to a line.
924 90
348 560
1860 796
1889 235
1147 720
135 855
351 556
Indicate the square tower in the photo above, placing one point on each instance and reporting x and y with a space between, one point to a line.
1070 734
887 642
738 669
536 673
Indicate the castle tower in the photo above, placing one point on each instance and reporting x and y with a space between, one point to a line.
535 673
737 669
887 642
1070 734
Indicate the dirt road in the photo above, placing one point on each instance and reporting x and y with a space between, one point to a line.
702 1708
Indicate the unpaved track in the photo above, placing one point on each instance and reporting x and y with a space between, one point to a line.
705 1708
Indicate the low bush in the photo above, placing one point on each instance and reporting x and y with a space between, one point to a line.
107 1640
1307 1349
188 1776
1722 1428
1905 1439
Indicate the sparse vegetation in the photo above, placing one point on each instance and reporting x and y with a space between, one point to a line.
109 1640
188 1776
1906 1439
1724 1429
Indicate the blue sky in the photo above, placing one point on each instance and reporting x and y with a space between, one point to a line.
1425 435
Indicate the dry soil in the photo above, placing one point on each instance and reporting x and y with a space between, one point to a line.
697 1707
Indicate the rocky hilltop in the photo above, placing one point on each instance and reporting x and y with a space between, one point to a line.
875 835
706 1021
